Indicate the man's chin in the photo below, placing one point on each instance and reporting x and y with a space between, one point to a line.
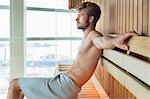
79 27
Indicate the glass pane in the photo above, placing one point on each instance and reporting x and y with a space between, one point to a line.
4 49
4 2
40 24
4 68
44 56
64 52
4 23
41 58
41 3
61 4
63 24
75 47
75 32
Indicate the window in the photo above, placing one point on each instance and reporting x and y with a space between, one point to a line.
41 58
52 36
4 47
57 4
40 24
49 40
4 23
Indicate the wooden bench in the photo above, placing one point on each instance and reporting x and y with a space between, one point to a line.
126 74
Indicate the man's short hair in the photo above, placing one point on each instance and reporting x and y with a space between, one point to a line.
92 9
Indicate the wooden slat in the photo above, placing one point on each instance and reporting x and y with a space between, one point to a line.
135 15
119 16
140 15
149 20
63 67
88 91
107 16
104 18
131 15
112 16
137 67
99 88
121 19
127 16
106 81
115 17
145 17
99 25
113 12
134 86
140 45
115 56
124 14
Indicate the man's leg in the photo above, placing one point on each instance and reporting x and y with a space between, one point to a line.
14 91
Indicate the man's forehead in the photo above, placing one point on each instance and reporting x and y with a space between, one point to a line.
81 11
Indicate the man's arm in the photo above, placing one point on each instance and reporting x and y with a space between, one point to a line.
110 42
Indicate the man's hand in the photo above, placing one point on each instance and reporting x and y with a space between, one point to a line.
121 41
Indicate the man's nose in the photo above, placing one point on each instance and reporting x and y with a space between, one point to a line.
77 19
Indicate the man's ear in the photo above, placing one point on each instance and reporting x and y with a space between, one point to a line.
91 19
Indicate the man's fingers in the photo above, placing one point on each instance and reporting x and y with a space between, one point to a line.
124 47
127 35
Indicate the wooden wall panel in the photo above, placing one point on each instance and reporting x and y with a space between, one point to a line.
145 17
131 21
136 15
113 88
121 16
104 16
149 19
127 15
116 16
107 17
140 10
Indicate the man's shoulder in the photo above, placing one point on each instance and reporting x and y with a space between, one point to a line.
96 33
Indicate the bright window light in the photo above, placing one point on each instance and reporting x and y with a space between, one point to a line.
4 2
41 24
59 4
4 48
4 23
63 24
50 19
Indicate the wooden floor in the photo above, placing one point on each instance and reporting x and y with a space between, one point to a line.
88 92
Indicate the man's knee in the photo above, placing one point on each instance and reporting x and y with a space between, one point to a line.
14 84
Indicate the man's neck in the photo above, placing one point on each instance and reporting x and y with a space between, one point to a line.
87 31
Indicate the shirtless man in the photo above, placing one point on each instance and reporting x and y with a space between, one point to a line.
67 85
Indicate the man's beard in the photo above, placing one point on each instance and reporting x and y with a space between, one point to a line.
83 27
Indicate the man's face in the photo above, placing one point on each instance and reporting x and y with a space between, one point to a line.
82 20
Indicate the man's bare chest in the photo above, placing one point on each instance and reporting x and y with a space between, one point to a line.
85 47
